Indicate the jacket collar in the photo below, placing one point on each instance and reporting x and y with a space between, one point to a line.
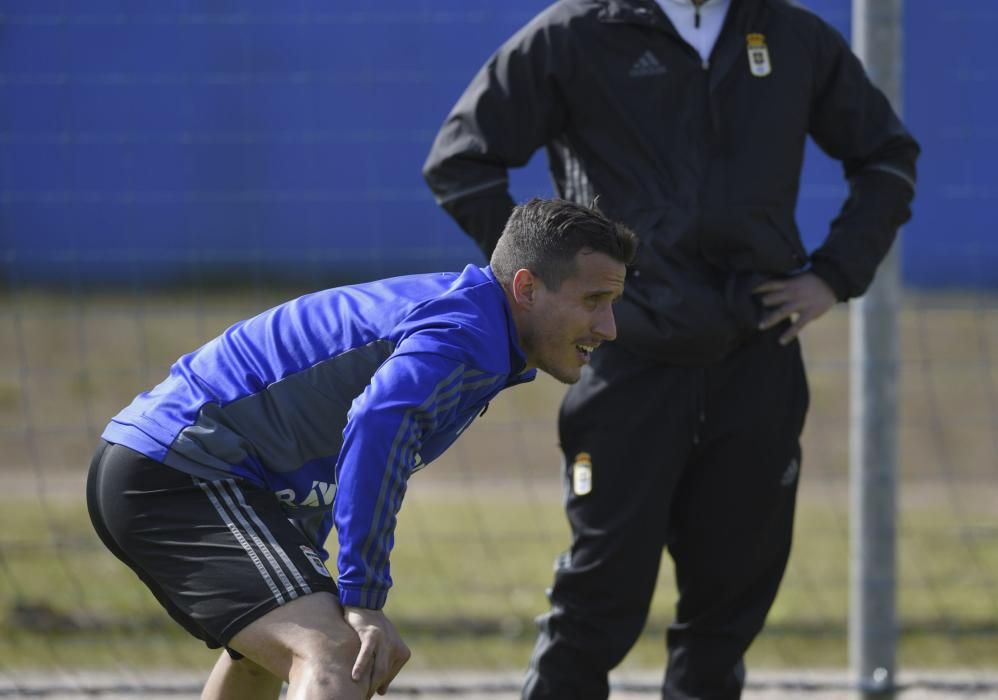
645 12
744 16
517 358
649 13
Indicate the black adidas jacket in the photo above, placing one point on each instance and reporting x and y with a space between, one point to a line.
703 161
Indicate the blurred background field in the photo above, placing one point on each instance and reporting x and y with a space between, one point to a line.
480 528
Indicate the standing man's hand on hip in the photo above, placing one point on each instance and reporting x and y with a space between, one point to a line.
799 299
382 651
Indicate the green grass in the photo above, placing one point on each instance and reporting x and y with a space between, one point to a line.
470 575
481 527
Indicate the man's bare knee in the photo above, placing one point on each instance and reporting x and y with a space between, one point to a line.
322 665
306 638
318 646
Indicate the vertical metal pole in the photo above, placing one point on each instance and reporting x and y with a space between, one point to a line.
876 36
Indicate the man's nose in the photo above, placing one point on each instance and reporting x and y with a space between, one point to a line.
606 325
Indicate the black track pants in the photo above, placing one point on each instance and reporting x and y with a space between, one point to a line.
703 461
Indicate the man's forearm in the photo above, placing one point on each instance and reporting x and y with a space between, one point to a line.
482 217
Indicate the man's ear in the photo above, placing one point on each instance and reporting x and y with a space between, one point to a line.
524 287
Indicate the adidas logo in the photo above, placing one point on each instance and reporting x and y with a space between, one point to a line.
646 65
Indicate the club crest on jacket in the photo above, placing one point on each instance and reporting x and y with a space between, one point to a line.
758 55
582 474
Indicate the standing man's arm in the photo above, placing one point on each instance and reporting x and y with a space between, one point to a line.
853 122
511 108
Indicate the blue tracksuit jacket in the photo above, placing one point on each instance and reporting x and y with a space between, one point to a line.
346 391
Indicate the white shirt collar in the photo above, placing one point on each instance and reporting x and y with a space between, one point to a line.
698 25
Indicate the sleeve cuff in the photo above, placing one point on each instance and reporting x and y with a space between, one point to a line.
372 599
832 277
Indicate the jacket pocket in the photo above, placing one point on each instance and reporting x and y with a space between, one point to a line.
751 239
676 319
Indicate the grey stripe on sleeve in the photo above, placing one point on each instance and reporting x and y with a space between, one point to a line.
394 454
474 189
413 422
884 167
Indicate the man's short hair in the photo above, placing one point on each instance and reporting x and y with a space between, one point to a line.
545 235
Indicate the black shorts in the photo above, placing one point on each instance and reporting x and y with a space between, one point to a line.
216 554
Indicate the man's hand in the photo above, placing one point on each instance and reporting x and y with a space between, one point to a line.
382 651
800 299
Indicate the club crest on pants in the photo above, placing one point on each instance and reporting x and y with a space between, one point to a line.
315 560
582 474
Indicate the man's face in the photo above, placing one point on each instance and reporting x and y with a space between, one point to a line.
563 327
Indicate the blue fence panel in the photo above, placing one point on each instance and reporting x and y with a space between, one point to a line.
238 138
